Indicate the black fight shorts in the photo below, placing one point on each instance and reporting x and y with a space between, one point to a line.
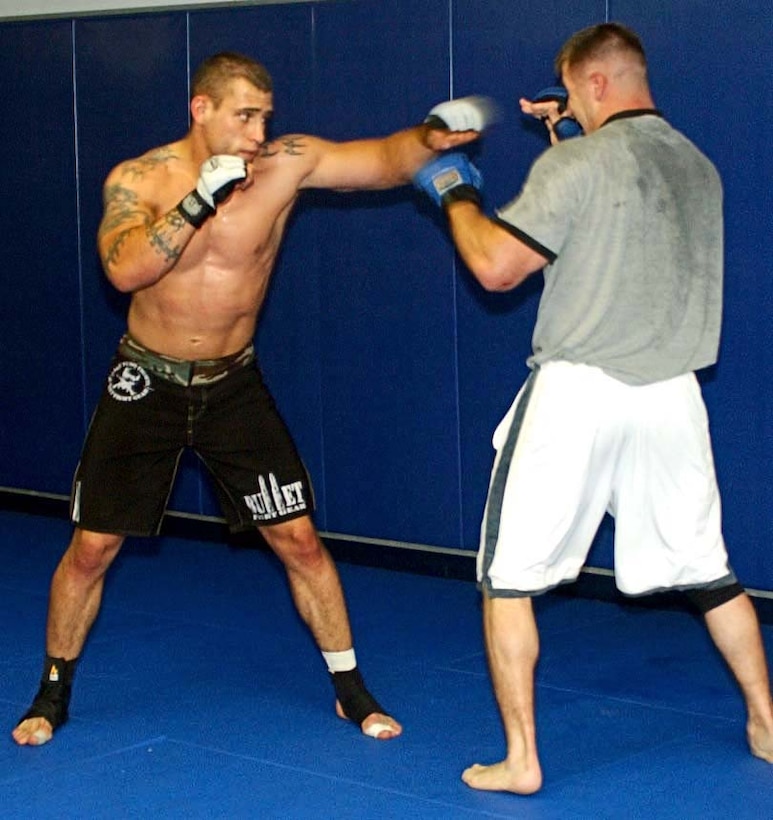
151 409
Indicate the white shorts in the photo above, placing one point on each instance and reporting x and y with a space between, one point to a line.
577 443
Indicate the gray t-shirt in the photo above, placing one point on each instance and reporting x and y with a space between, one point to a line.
630 217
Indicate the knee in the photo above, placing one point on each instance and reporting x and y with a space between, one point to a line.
91 553
296 543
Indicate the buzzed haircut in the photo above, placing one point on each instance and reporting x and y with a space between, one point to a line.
597 43
214 75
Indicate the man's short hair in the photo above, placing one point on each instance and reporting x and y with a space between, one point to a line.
213 76
597 43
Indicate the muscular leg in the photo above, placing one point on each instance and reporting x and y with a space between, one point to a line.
76 593
734 628
319 598
512 645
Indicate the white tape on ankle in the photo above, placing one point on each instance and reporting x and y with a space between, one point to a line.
340 661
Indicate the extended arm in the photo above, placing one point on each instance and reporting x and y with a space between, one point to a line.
393 160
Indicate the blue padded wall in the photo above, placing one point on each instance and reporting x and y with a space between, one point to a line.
508 56
710 73
40 338
389 363
130 99
281 37
389 372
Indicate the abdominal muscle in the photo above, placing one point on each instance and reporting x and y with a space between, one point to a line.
207 306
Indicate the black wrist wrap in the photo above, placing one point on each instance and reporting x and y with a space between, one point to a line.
53 698
354 698
461 193
195 209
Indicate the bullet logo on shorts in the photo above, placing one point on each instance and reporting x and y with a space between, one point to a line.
274 500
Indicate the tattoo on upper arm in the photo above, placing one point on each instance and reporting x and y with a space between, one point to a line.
114 251
122 208
295 146
121 205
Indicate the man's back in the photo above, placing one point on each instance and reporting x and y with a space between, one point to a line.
636 286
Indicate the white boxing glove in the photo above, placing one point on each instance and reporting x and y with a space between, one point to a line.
463 114
218 176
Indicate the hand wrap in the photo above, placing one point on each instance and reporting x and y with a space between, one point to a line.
450 178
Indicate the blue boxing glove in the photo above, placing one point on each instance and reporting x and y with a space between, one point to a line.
566 127
449 178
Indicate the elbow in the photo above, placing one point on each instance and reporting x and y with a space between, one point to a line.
123 281
120 283
497 279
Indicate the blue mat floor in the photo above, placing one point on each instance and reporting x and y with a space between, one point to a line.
200 695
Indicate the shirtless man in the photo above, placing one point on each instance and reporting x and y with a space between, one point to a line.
192 230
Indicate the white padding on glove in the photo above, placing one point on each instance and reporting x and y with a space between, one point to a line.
465 114
218 176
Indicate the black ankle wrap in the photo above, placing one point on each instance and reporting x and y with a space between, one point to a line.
354 698
53 698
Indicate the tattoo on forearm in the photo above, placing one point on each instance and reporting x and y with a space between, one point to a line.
161 237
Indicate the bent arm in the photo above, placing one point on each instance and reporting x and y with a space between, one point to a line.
137 245
496 258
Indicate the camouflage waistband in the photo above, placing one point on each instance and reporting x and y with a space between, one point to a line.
185 372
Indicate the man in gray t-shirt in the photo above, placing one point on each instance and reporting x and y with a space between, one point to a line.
626 223
630 219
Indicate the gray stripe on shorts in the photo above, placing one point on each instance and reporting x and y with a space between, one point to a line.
497 492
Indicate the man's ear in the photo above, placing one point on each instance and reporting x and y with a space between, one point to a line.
598 83
199 106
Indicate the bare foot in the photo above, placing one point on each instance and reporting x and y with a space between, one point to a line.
377 725
503 777
33 732
760 741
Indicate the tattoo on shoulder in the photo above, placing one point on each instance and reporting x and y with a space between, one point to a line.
138 168
295 146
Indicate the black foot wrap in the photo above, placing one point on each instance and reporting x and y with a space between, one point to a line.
53 698
354 698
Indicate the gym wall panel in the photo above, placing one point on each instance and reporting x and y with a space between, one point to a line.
388 327
40 338
288 341
129 99
506 55
710 73
390 364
